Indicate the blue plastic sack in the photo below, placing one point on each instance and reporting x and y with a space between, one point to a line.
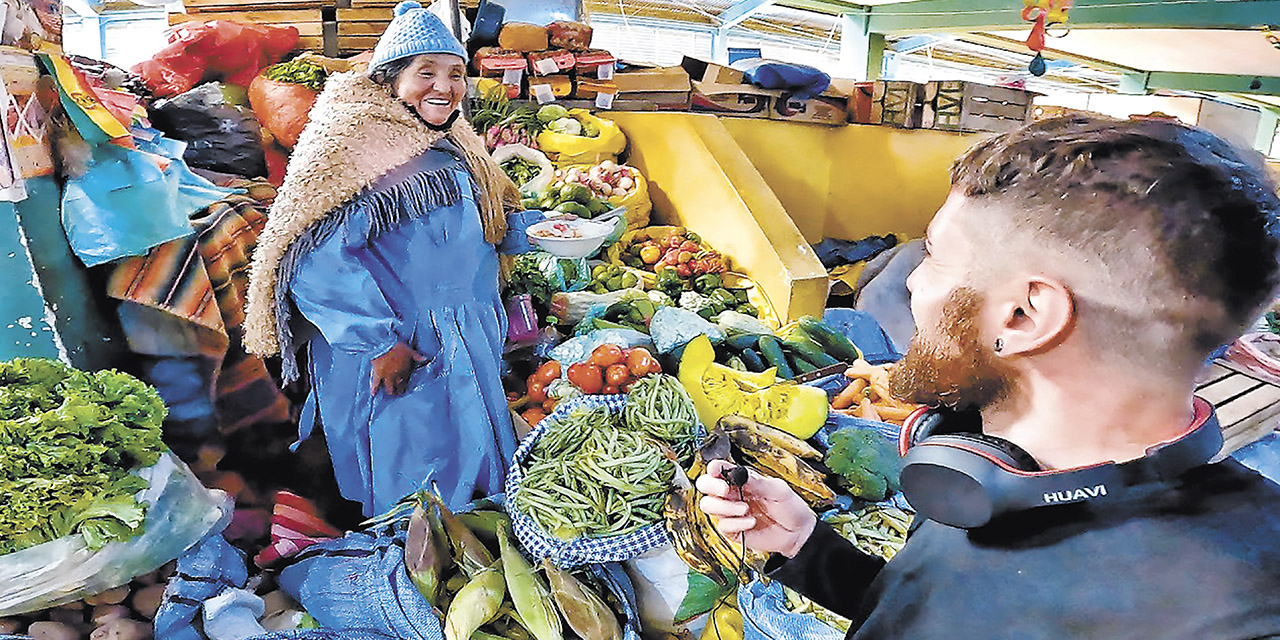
127 203
359 583
800 81
865 332
765 616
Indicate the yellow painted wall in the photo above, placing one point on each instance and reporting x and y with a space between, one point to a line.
700 178
852 181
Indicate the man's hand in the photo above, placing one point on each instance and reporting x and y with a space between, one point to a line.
773 517
391 370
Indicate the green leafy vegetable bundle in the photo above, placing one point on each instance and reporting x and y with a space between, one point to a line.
299 71
68 440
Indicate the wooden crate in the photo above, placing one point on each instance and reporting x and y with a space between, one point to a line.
958 105
897 103
1247 408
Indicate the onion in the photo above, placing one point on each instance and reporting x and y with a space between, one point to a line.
607 164
626 184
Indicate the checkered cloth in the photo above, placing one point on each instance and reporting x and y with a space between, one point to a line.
582 550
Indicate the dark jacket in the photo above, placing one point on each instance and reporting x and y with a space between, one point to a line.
1197 559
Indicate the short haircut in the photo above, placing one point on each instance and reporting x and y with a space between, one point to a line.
1166 234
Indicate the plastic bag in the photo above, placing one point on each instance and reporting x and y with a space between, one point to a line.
214 50
580 348
223 135
801 81
538 183
180 512
124 205
673 327
284 108
566 149
673 598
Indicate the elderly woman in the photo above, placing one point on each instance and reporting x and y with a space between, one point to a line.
379 258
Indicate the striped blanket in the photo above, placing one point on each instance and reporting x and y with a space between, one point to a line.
200 281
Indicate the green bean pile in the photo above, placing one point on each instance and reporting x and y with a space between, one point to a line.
658 406
585 477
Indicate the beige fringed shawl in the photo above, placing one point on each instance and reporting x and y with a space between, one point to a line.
358 132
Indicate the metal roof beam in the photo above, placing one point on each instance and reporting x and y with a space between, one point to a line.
1213 83
989 15
744 9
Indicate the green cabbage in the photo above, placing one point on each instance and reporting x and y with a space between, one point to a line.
567 126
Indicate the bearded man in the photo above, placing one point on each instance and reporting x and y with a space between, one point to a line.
1075 282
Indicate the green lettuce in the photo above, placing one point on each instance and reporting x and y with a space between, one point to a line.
69 440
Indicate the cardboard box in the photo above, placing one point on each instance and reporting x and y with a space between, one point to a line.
733 99
665 87
829 108
959 105
710 72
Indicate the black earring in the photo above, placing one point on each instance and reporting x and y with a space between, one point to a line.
999 345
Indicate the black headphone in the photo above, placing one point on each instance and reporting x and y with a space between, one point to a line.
954 474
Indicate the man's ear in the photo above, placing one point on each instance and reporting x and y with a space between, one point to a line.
1040 313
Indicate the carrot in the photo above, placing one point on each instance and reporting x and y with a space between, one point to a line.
894 414
849 395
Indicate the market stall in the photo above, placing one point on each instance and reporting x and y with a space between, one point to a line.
688 228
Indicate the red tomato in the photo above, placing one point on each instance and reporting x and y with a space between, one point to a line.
549 372
587 377
675 241
626 388
550 405
617 375
538 392
607 355
533 416
609 389
638 362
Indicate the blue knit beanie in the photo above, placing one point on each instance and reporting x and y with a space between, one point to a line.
414 31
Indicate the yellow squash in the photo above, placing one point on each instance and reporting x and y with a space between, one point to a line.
718 391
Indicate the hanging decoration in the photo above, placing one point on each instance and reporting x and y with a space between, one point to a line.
1042 14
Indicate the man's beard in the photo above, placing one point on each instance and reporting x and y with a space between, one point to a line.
959 369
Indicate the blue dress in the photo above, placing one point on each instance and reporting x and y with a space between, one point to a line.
407 260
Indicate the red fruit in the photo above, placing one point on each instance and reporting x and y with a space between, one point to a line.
549 372
641 363
616 375
538 392
683 270
675 241
607 355
533 416
587 377
690 246
610 390
550 405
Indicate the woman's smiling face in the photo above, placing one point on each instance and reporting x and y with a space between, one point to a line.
434 84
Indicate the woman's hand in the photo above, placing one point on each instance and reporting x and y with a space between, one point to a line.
392 369
773 518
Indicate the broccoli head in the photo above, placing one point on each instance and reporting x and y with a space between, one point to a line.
866 462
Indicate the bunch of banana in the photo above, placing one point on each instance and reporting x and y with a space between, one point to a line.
779 454
467 566
694 534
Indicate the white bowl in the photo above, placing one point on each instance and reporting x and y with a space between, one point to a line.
588 236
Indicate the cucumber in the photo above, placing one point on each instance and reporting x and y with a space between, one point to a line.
811 354
743 341
753 360
832 341
771 349
799 363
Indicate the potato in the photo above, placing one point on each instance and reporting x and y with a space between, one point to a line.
105 612
147 599
122 629
110 596
10 625
52 631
